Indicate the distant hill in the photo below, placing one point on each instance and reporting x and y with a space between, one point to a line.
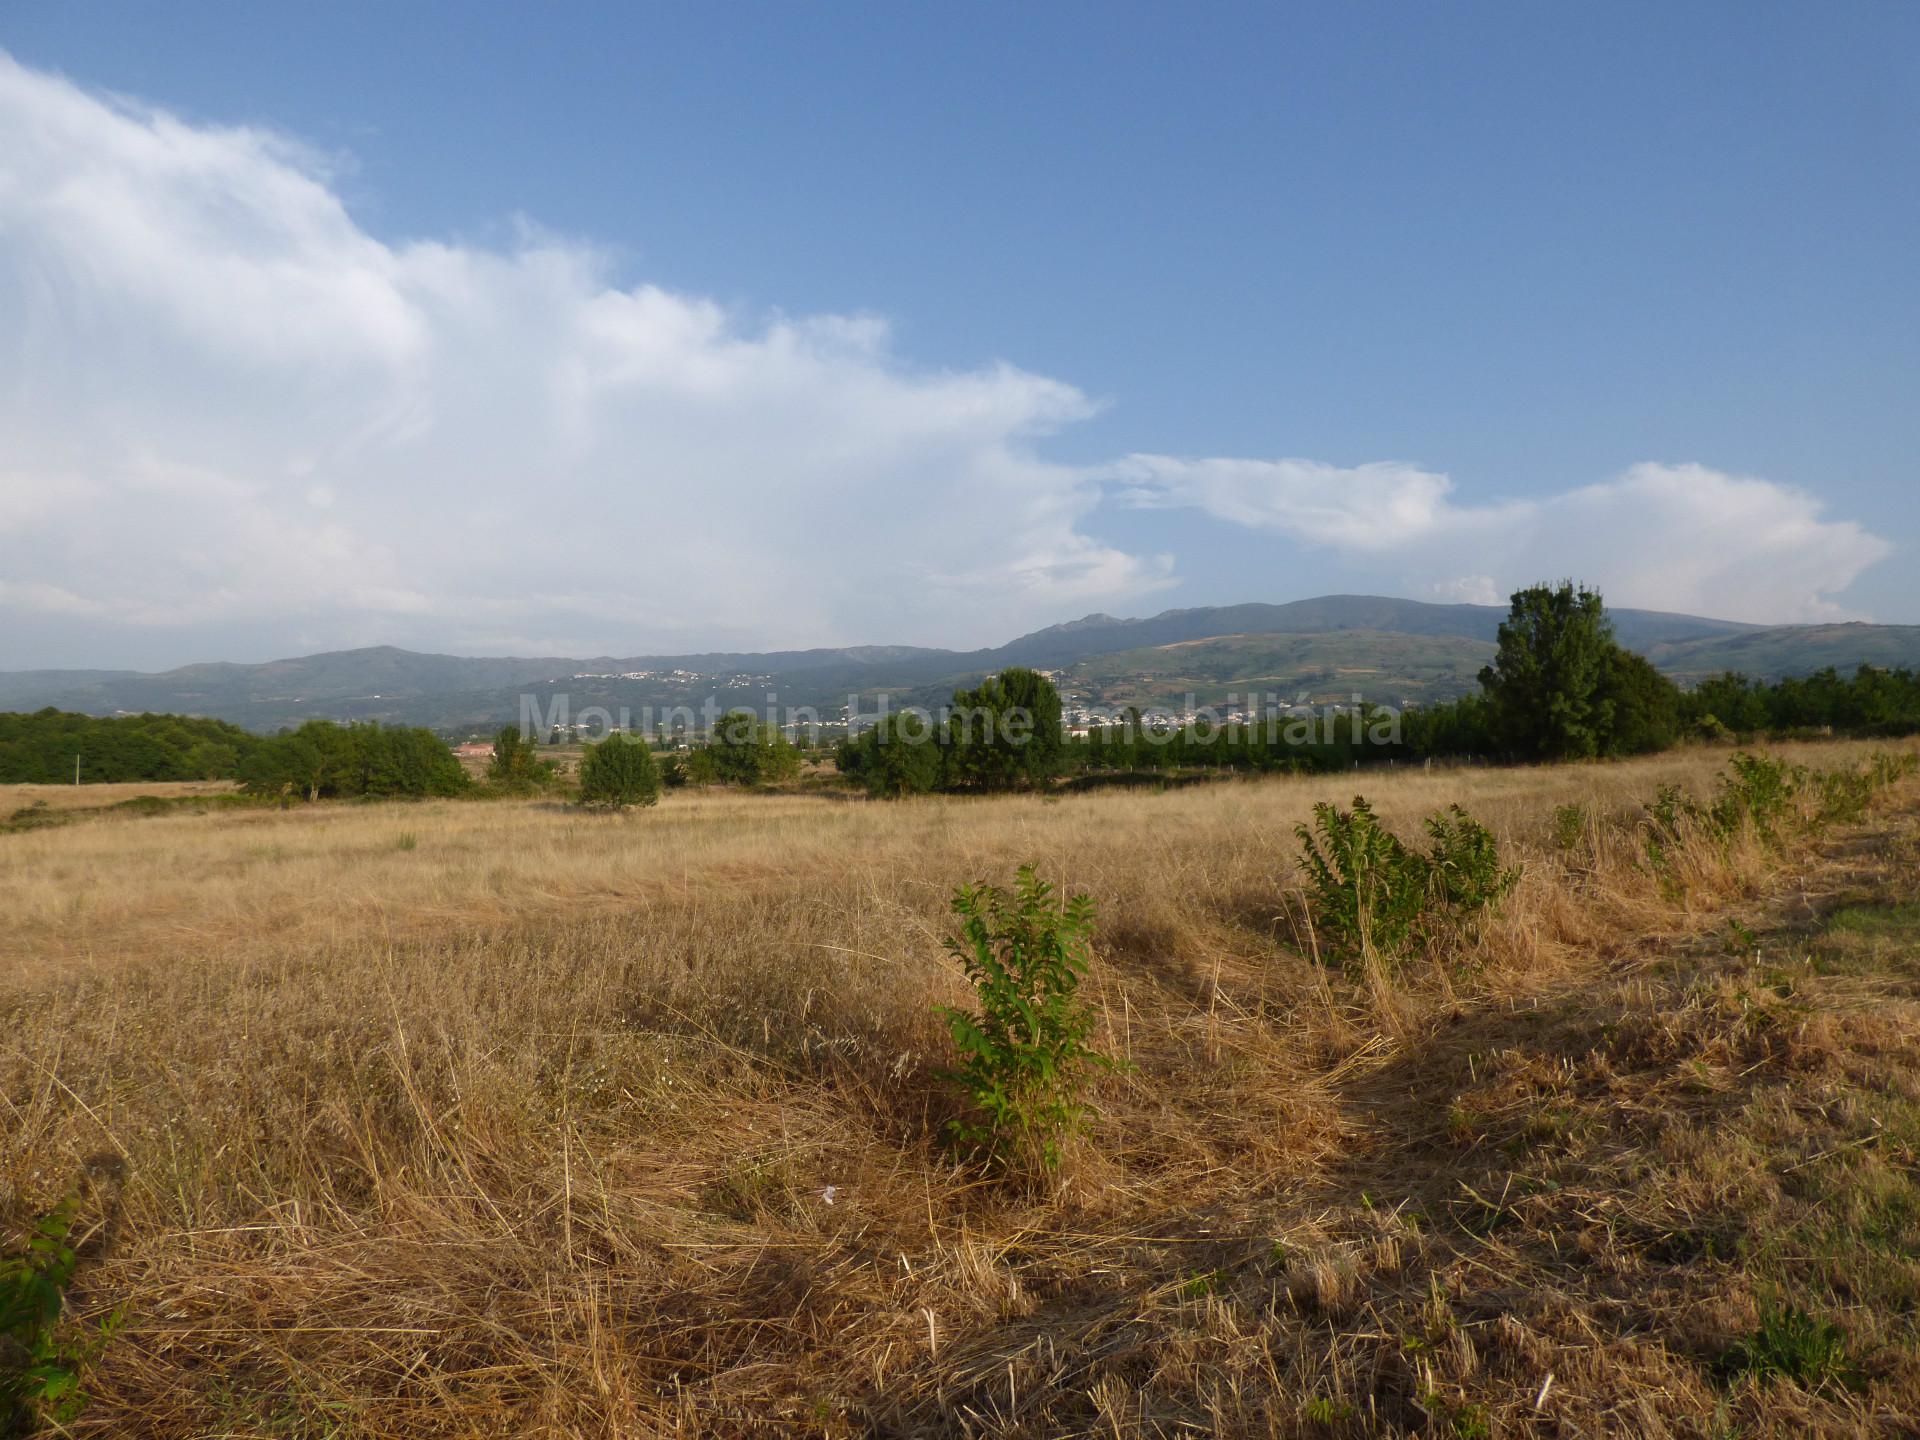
1062 644
1385 649
1781 650
1387 667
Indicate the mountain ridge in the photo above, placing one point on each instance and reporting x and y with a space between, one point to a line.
452 691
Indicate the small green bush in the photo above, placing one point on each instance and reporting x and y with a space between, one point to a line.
1758 789
1024 1055
1370 894
1366 889
619 772
516 766
1569 825
1464 863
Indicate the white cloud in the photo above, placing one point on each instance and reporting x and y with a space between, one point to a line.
1368 509
226 409
1662 537
1466 590
279 418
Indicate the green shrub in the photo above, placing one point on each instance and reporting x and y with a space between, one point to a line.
365 760
618 772
1569 825
1369 894
1464 863
1024 1055
42 1362
901 755
516 765
1762 793
1367 891
743 750
1758 789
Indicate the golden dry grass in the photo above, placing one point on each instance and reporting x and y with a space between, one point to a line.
497 1118
91 797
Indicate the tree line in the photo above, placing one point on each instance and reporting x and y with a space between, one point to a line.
41 748
1560 687
366 760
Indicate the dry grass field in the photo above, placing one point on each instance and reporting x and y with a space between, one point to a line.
499 1118
14 798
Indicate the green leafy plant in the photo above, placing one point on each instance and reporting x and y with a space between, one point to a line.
1372 895
1758 789
619 772
1366 889
1024 1055
1569 825
42 1362
1790 1342
1464 863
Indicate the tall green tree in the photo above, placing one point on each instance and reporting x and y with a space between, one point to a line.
1007 732
1645 713
618 772
744 750
516 762
1547 685
901 755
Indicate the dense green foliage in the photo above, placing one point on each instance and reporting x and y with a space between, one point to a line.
1649 713
1870 702
1024 1052
1562 689
516 764
618 772
1006 733
901 755
39 749
1369 894
1328 739
1547 687
743 750
322 761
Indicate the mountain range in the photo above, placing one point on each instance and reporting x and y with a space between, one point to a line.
1389 651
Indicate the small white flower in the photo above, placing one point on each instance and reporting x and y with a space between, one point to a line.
826 1195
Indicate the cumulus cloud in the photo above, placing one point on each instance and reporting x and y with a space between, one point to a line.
273 416
1661 537
232 416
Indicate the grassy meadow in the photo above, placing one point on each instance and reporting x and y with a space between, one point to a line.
464 1118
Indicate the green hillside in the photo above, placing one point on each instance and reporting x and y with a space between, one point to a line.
1383 667
1781 651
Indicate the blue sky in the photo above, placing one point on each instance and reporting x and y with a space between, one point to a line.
1627 291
